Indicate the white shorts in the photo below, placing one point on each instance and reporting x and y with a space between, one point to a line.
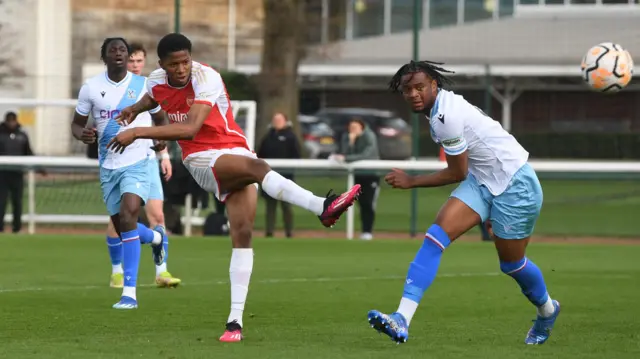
200 165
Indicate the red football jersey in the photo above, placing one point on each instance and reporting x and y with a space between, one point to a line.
219 130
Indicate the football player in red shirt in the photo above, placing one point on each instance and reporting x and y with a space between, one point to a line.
218 156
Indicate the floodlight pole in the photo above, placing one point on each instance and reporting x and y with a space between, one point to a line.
415 118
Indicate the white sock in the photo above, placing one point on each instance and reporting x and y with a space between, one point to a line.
161 268
157 238
129 292
547 309
240 275
407 308
116 269
286 190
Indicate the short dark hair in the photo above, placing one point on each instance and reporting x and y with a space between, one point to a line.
9 115
430 68
107 41
172 43
137 47
359 121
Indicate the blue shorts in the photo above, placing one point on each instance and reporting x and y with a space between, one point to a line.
514 212
130 179
155 180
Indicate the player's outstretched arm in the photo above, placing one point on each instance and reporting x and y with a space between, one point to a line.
129 114
454 144
176 131
146 103
456 171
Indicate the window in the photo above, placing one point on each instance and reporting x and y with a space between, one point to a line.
402 15
506 8
478 9
337 20
368 18
313 21
443 12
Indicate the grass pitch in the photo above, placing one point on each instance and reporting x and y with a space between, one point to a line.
309 299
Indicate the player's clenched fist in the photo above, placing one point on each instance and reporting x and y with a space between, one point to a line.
122 140
399 179
126 116
89 135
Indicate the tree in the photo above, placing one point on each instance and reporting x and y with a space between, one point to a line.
281 53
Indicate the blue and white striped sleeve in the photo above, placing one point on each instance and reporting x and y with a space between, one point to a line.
450 131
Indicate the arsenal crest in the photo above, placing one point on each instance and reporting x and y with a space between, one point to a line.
189 101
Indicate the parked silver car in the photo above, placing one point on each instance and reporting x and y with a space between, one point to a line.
319 138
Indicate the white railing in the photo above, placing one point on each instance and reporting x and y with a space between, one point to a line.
31 164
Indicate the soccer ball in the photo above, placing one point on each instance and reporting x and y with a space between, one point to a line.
607 67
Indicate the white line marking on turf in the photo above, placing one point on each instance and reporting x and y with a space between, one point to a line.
284 280
261 281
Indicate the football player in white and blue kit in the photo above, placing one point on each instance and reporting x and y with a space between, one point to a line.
154 204
124 178
496 183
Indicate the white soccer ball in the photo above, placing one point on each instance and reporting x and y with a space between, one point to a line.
607 67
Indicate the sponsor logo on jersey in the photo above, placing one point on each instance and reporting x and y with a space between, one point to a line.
109 114
177 117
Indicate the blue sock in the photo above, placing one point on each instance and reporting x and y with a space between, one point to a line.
146 234
165 244
424 267
131 260
530 279
115 250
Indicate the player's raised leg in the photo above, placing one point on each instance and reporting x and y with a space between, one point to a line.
513 217
454 219
237 171
114 245
241 209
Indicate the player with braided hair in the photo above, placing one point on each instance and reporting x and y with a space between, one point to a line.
496 183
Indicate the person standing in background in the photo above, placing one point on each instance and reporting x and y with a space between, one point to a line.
13 142
360 143
279 142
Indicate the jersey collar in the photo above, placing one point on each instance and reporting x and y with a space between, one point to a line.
117 84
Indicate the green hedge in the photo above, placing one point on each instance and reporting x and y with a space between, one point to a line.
239 85
566 145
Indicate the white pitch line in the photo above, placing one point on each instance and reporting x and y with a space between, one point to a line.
263 281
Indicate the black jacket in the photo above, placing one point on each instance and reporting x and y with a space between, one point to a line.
279 144
14 142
